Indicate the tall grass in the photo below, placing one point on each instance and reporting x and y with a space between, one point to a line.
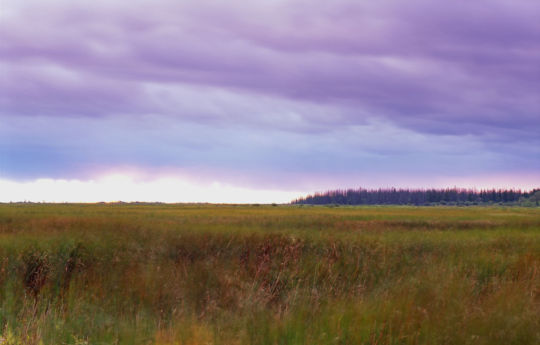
214 274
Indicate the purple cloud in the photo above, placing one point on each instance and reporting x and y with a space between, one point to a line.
312 73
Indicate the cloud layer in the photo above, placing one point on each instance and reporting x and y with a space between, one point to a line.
280 91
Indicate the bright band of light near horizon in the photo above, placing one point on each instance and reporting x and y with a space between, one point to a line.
114 188
265 101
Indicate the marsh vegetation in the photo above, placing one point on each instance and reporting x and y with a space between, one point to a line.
215 274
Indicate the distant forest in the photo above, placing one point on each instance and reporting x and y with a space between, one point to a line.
449 196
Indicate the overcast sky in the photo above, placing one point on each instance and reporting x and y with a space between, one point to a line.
276 96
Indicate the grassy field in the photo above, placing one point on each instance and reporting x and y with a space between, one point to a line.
210 274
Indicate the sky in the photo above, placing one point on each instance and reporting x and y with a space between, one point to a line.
265 100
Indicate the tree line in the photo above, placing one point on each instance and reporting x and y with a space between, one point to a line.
393 196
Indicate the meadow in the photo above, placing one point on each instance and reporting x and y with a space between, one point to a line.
263 274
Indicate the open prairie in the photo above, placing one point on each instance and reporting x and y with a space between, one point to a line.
224 274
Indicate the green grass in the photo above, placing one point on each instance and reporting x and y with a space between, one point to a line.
216 274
